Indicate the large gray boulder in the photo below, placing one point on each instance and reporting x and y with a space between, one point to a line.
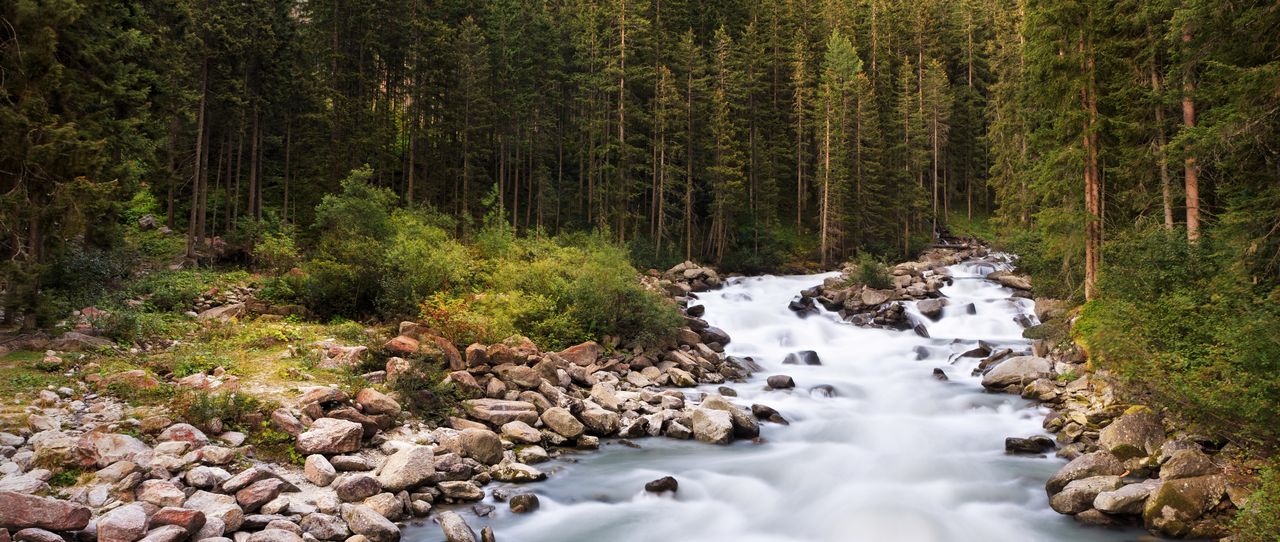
1137 433
1126 500
408 468
1085 466
365 521
1078 495
1173 509
455 528
1017 372
744 424
712 426
125 524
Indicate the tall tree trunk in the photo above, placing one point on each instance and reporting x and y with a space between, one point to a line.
1092 190
1189 164
1166 184
192 242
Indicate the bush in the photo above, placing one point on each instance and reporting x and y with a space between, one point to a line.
872 273
1259 521
127 325
420 259
1183 323
427 395
276 252
199 408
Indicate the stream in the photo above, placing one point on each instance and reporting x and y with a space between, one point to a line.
894 455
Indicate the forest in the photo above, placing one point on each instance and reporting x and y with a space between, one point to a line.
375 160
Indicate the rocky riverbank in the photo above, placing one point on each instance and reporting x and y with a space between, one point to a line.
363 466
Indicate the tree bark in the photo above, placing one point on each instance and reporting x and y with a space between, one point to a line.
1191 170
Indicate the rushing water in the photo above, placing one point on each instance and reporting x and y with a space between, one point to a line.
895 455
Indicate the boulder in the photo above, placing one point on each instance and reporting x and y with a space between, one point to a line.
1126 500
1137 433
368 523
375 402
274 535
330 436
562 422
931 308
32 534
803 357
224 313
1187 464
455 528
319 471
481 445
19 511
461 490
184 432
259 493
583 354
768 414
125 524
712 426
523 503
1017 372
408 468
1032 445
191 521
1085 466
521 433
103 449
1010 280
872 297
601 422
1078 495
745 425
512 472
325 527
662 485
715 335
357 487
161 493
1173 509
215 506
498 411
781 382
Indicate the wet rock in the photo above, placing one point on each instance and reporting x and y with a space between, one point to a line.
461 490
823 390
931 308
712 426
1085 466
1078 495
666 483
939 374
715 335
1173 509
767 413
1126 500
1032 445
1137 433
408 468
523 503
455 528
510 471
330 436
1010 280
1017 371
745 425
19 511
781 382
803 357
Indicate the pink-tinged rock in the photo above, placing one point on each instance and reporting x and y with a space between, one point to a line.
184 432
402 345
103 449
125 524
18 511
191 521
583 354
330 436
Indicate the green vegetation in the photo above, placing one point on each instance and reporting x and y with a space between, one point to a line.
872 273
1258 521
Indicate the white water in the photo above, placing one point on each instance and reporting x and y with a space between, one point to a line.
895 456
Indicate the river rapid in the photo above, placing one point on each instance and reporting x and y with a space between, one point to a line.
893 455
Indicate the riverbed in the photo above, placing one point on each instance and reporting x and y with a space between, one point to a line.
877 450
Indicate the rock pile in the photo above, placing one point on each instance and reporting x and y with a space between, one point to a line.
1128 465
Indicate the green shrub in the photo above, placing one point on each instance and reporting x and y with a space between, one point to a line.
420 259
233 409
276 252
427 395
872 273
1181 322
200 362
128 325
1259 520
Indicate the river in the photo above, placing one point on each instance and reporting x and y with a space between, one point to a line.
894 455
